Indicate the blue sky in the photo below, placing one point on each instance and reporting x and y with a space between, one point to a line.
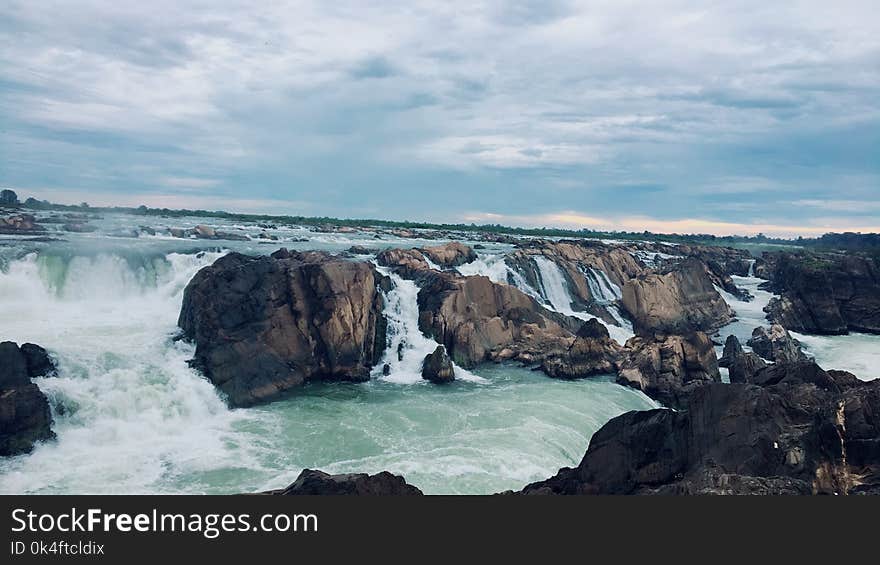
723 117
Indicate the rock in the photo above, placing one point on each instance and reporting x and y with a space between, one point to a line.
777 345
451 254
79 227
477 319
791 437
20 224
824 293
147 230
231 236
680 301
311 482
669 368
592 352
732 349
204 232
408 263
745 366
177 232
25 417
437 367
38 361
359 250
799 372
269 236
126 233
265 325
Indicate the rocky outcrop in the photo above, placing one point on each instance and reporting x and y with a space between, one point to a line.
669 368
592 352
776 345
265 325
680 301
312 482
830 293
478 320
360 250
437 367
408 263
451 254
25 417
745 367
732 349
20 224
792 437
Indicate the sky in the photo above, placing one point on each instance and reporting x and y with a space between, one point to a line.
675 116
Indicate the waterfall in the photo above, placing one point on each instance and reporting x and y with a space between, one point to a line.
752 268
555 291
407 346
603 290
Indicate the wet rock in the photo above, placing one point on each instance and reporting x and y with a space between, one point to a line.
312 482
79 227
20 224
266 325
437 367
669 368
25 417
204 232
732 349
777 345
680 301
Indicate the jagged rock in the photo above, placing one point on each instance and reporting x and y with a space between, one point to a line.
680 301
437 367
265 325
25 417
409 263
827 293
477 320
669 368
312 482
592 352
745 366
451 254
799 372
360 250
792 437
732 349
777 345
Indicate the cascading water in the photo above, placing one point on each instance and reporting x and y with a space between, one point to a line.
556 293
407 345
130 415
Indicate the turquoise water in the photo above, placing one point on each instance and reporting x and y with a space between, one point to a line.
132 417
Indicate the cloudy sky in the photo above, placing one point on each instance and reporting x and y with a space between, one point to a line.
724 117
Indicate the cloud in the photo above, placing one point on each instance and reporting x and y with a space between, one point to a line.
431 108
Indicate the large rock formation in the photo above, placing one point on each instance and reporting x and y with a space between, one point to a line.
830 293
20 224
592 352
479 320
793 437
776 345
25 417
265 325
669 368
312 482
680 301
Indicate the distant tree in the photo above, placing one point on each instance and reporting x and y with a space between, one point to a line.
84 205
8 198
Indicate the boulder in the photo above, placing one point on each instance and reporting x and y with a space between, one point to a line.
79 227
669 368
265 325
360 250
745 366
437 367
592 352
25 417
824 293
20 224
680 301
204 232
312 482
451 254
776 345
